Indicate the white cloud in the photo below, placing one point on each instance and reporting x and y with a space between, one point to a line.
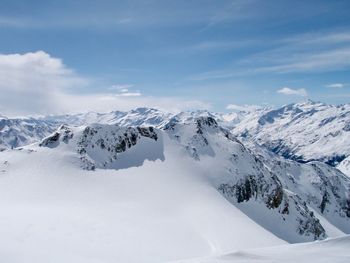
38 84
296 92
29 83
335 85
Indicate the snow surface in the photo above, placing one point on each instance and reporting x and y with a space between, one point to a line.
332 250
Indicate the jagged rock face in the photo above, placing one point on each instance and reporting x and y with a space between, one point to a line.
270 193
114 141
278 200
254 188
111 142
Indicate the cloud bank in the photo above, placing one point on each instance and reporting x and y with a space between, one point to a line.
36 83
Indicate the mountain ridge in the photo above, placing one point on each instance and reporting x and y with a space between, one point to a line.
304 131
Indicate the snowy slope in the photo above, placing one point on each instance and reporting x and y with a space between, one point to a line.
332 250
54 210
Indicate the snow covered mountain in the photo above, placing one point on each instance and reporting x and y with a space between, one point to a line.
301 131
174 185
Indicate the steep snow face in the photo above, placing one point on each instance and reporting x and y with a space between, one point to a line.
19 132
302 131
333 250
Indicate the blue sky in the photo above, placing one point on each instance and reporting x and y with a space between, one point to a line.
209 53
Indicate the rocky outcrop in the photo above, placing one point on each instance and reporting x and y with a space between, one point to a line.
100 146
63 133
275 198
